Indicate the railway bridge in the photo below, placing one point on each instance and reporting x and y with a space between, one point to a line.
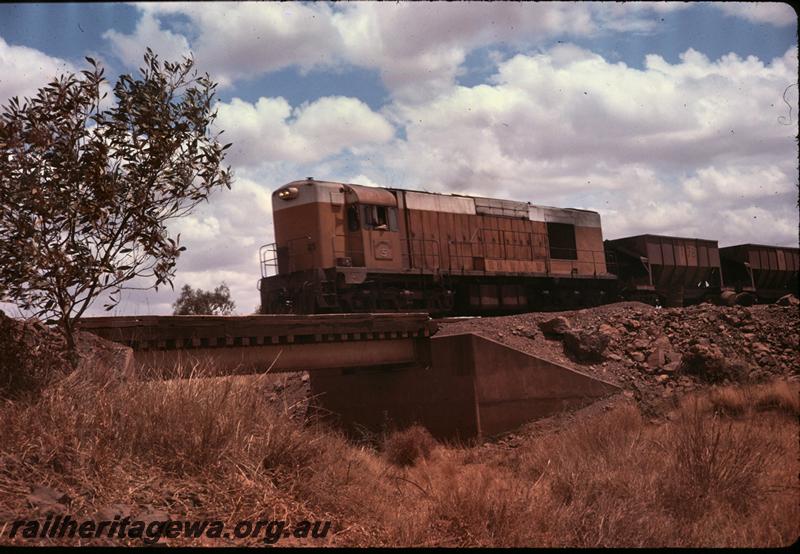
365 369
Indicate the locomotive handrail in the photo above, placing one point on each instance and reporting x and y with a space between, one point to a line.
268 255
270 248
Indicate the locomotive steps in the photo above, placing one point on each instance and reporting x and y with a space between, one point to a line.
365 367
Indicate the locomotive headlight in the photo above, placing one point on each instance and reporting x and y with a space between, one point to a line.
289 193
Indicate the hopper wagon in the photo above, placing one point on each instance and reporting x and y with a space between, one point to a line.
671 271
765 272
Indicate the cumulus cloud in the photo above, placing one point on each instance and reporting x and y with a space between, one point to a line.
148 33
755 224
237 40
633 17
779 14
222 240
24 70
569 102
271 130
737 183
418 48
424 44
672 148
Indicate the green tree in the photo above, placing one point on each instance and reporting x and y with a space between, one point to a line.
87 190
200 302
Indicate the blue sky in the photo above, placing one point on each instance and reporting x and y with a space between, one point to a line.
665 117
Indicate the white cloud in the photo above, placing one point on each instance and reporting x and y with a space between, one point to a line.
632 17
672 148
148 33
222 240
24 70
238 40
271 130
755 224
418 48
779 14
570 103
737 183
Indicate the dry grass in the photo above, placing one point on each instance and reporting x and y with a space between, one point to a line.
723 472
404 448
780 396
777 396
716 461
730 401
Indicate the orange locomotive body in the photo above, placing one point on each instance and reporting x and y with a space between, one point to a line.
348 248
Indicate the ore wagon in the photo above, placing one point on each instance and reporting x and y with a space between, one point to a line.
673 271
767 272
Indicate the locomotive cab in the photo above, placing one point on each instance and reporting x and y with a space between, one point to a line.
326 236
372 231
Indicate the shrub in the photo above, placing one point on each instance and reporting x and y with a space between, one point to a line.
404 448
715 461
30 357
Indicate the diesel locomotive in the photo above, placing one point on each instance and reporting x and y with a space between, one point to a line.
342 247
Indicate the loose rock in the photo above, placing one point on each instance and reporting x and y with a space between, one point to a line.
555 327
586 345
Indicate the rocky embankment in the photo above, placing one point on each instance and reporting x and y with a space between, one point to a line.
655 353
650 352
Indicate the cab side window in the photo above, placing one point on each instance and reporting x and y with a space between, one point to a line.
379 217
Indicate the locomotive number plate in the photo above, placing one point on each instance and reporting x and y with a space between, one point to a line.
383 250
